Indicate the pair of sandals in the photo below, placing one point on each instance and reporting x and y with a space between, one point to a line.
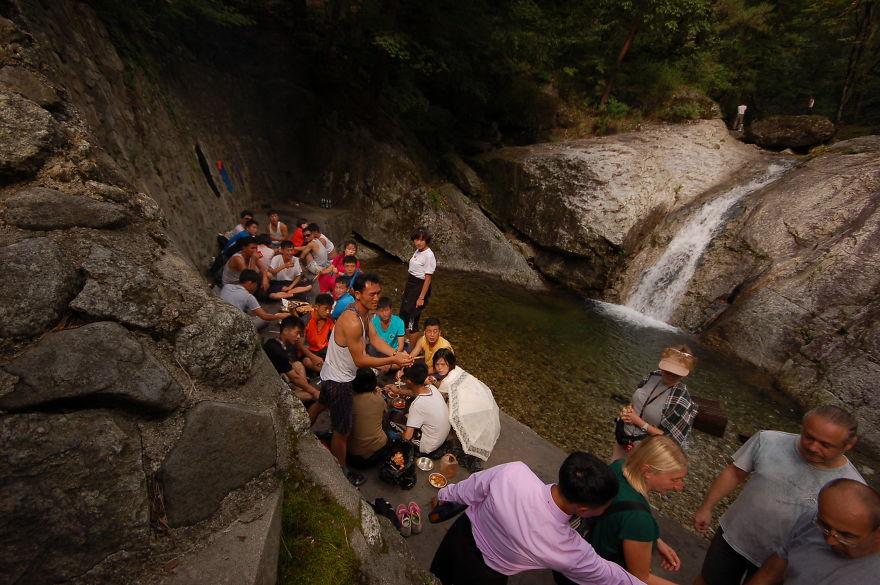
410 518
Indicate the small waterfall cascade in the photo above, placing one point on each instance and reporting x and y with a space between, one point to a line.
661 287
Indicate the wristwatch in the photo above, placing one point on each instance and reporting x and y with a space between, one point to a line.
645 428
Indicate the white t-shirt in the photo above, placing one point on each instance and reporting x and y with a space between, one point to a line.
422 262
267 253
741 110
781 487
430 413
287 273
238 296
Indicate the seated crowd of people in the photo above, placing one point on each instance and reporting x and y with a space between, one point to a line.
803 514
331 356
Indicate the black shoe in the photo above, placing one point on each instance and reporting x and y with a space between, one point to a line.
356 479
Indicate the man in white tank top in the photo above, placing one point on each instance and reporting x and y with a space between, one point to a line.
346 352
277 229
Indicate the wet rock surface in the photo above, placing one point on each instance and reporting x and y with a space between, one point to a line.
72 492
29 85
26 132
38 208
223 446
98 362
119 289
34 269
601 195
219 346
799 133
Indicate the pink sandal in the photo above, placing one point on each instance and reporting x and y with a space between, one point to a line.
415 517
404 517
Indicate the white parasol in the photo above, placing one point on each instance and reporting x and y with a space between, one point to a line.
473 413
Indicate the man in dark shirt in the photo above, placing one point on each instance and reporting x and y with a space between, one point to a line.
284 353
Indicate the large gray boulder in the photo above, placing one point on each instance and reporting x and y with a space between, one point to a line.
38 208
72 493
26 133
791 283
601 195
28 84
36 287
223 446
218 347
119 289
463 238
800 133
98 363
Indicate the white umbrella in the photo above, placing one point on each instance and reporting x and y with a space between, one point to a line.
473 413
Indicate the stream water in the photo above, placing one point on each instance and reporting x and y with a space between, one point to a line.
556 361
662 286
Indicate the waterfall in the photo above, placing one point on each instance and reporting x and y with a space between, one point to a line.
663 285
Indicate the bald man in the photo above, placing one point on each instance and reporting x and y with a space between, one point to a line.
839 544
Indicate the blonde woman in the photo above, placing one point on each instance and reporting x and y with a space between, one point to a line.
627 533
661 405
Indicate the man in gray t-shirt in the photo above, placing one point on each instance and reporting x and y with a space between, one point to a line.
836 544
241 295
785 473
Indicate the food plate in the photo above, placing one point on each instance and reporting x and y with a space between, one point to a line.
424 464
398 403
437 480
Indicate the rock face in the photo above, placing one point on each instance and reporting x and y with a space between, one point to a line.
218 346
791 283
99 361
38 208
21 315
26 132
800 133
29 85
222 447
602 195
72 492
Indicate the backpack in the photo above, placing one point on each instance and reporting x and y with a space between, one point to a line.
390 472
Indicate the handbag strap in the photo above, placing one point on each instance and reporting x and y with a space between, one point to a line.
652 397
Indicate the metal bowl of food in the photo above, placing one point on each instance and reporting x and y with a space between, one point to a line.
437 480
424 464
398 403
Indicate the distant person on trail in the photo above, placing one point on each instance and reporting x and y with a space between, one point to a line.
661 405
740 117
785 473
430 342
285 273
417 291
811 103
247 258
838 543
284 354
241 295
251 228
627 532
515 523
276 229
345 354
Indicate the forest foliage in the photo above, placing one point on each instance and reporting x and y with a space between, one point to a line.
445 65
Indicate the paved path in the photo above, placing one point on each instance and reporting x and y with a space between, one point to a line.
520 443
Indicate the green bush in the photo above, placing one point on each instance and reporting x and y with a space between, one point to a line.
681 111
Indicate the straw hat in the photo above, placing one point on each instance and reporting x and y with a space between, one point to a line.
675 361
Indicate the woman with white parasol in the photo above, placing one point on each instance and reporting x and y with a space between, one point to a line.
473 412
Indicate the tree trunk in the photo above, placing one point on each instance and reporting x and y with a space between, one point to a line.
865 30
609 83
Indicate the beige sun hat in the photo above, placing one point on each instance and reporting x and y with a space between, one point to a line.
676 361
